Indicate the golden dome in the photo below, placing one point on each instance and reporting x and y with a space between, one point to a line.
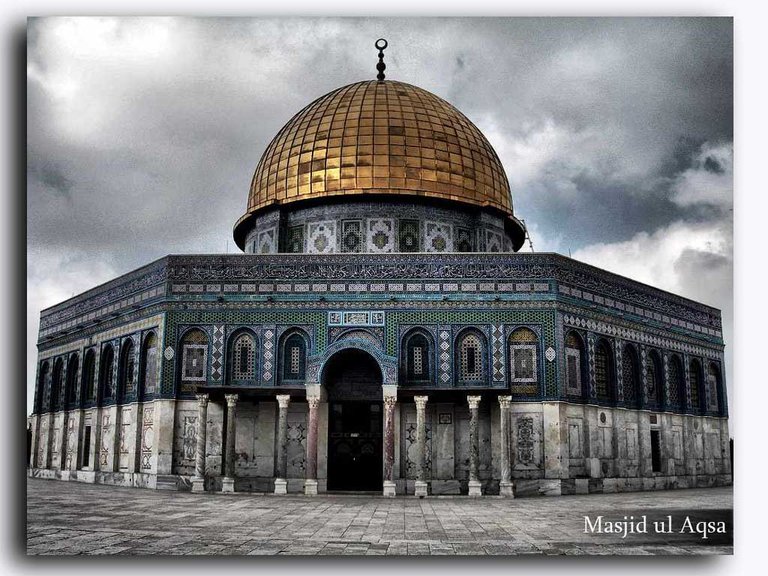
379 137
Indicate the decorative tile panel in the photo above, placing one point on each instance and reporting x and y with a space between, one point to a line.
380 235
444 356
267 243
321 237
268 367
217 354
497 352
438 237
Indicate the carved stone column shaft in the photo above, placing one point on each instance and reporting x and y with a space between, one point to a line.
310 483
474 446
421 445
229 459
389 437
202 417
506 487
282 435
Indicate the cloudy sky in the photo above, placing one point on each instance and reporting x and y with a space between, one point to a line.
143 134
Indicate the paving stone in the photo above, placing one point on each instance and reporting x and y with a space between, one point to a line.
68 518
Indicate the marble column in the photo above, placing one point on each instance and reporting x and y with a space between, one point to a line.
281 482
421 446
475 486
198 481
389 445
228 483
310 483
506 488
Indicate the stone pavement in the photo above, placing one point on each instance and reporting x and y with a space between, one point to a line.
65 518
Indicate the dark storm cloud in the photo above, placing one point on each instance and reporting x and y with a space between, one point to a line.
143 134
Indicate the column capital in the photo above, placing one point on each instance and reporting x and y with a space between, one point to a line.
389 390
505 401
202 400
313 402
390 401
473 401
283 400
421 401
231 400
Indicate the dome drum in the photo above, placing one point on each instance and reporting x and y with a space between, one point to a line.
377 224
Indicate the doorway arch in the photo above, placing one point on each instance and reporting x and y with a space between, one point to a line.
352 379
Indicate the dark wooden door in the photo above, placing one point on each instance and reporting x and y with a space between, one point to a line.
355 446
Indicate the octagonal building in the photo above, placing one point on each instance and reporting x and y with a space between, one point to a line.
380 333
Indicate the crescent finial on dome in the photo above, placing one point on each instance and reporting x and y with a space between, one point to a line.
381 45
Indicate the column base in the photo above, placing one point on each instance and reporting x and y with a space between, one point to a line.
198 484
475 488
506 489
228 485
310 487
421 488
281 486
390 489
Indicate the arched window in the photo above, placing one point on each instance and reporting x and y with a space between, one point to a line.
243 358
294 357
653 377
471 364
574 352
72 367
194 360
58 369
713 384
42 380
676 383
696 381
604 387
523 361
149 365
89 377
630 376
418 358
107 370
127 369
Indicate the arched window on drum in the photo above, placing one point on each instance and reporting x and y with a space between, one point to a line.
89 377
713 385
653 379
418 352
523 361
107 376
676 383
293 358
697 393
242 365
58 372
605 387
471 363
194 360
149 353
127 369
73 366
630 377
574 358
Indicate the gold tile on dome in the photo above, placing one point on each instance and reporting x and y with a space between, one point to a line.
385 136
